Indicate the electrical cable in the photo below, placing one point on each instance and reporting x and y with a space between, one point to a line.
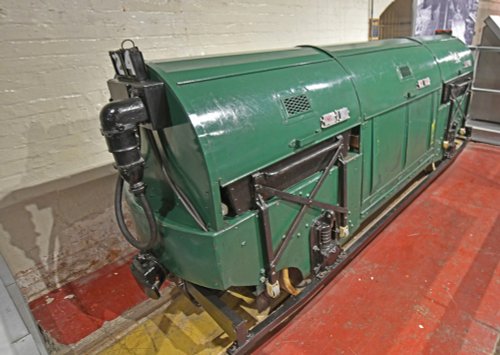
152 240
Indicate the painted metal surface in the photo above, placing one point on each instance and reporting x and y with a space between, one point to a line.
452 56
230 118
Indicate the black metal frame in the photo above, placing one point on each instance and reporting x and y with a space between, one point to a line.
225 317
239 196
452 91
273 256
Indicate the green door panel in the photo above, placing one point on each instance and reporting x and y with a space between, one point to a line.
389 131
421 115
395 146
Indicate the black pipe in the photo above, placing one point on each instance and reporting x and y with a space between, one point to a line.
120 126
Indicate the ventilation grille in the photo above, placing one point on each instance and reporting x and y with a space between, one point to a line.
404 71
297 104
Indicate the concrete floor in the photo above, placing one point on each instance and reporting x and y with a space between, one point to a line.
429 283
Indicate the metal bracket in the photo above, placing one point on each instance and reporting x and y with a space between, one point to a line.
455 108
225 317
273 256
299 199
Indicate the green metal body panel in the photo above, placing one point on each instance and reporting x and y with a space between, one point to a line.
454 60
228 121
452 56
233 104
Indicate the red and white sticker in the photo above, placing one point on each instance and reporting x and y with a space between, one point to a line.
334 117
422 83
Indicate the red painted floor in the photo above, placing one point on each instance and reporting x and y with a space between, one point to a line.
429 283
79 308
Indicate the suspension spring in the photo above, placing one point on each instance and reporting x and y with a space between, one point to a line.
325 237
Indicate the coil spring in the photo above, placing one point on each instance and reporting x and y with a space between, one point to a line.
325 236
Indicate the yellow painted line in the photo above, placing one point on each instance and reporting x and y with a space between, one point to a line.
181 328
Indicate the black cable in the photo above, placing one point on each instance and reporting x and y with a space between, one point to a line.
152 240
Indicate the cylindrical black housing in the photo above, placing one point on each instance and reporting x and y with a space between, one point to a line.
119 125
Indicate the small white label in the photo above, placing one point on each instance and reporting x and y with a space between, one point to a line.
422 83
467 63
128 63
334 117
118 64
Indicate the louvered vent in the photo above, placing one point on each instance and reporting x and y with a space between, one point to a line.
297 104
404 71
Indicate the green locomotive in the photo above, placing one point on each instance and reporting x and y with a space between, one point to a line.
256 169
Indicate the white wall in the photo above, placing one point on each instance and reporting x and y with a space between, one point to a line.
54 63
379 6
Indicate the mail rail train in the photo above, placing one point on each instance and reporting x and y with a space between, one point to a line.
256 169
